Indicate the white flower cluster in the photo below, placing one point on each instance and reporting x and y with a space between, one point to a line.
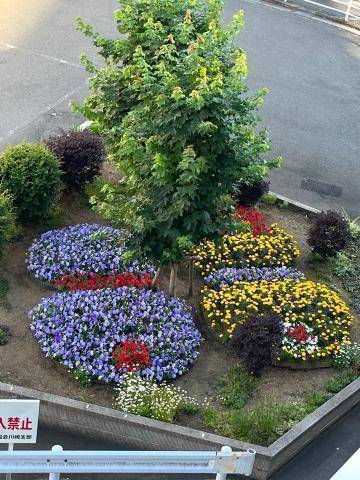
141 396
347 355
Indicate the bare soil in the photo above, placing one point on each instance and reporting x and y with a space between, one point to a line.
22 362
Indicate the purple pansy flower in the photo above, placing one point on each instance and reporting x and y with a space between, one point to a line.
82 248
81 330
228 276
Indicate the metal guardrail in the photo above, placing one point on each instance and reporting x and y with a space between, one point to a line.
350 10
58 461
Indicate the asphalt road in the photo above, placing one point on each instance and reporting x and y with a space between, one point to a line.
311 68
319 461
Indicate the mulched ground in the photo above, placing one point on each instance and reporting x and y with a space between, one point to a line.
22 362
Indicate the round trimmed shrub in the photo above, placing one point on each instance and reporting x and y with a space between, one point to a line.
329 234
248 195
7 218
31 174
257 341
315 319
81 156
243 250
82 330
81 249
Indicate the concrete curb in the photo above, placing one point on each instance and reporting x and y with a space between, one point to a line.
132 431
293 441
295 203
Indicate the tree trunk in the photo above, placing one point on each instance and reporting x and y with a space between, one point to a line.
173 278
191 276
156 277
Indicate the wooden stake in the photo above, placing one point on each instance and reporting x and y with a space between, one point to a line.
156 277
173 278
191 277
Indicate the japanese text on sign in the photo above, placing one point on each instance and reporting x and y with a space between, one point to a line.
18 421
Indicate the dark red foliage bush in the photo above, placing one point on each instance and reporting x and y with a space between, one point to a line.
256 219
257 340
94 281
81 155
248 195
328 234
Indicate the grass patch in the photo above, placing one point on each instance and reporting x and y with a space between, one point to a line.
54 219
4 290
4 334
346 266
236 387
266 421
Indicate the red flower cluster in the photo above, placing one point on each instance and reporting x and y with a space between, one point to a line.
94 281
299 334
255 219
132 355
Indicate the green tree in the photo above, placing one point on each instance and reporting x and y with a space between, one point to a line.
171 103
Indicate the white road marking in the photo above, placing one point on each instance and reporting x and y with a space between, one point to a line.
43 55
300 13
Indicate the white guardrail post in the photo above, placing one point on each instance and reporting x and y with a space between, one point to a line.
55 475
193 462
348 10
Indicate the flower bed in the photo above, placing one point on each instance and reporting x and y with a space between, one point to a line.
82 330
81 249
94 281
275 386
255 219
233 276
324 319
274 249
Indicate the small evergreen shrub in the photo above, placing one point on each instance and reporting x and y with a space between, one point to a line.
329 234
81 156
31 174
257 340
7 218
248 195
4 335
269 198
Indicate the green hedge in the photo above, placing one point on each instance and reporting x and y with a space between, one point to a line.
31 174
7 218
